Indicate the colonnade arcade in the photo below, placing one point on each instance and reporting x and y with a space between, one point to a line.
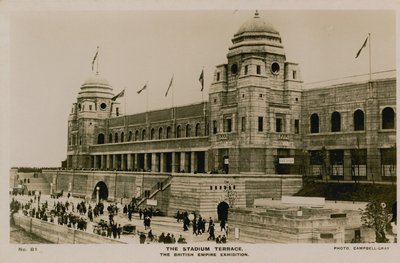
185 162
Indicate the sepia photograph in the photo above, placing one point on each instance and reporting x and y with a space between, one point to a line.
200 134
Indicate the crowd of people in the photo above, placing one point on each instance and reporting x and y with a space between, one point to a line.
78 215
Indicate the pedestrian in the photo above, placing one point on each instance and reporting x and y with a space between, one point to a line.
223 239
218 239
211 231
142 238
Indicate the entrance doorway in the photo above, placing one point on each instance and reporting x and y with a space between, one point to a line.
103 190
222 211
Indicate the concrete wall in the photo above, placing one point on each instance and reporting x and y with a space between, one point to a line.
60 234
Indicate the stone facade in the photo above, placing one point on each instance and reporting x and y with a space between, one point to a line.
260 121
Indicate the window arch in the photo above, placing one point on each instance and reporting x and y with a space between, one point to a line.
110 139
168 132
152 134
160 130
136 135
116 137
335 121
130 136
388 118
122 136
358 119
100 138
197 130
314 123
178 131
144 135
188 130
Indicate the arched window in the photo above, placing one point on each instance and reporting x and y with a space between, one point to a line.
160 133
110 140
388 118
130 136
116 137
168 132
152 134
197 131
143 135
100 138
335 122
122 136
188 130
314 123
178 131
358 119
136 135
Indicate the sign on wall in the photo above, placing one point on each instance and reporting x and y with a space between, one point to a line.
286 160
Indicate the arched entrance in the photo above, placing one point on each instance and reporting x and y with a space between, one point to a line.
103 190
222 210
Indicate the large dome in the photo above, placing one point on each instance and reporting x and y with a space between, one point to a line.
256 24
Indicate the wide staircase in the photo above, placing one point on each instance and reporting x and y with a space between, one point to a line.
35 182
160 186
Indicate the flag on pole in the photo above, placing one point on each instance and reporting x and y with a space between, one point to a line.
142 89
201 79
363 46
119 95
169 86
95 57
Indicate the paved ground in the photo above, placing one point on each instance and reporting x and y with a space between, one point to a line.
158 224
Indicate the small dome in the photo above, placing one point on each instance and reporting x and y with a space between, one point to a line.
256 24
96 81
96 87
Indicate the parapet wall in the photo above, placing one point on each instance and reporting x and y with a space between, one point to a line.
59 234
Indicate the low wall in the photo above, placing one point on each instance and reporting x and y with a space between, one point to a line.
59 234
260 226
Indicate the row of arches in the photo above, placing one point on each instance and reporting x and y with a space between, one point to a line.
387 121
141 135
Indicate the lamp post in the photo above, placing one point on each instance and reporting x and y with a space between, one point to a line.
97 194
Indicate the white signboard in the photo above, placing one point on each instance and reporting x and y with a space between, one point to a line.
226 161
286 160
151 202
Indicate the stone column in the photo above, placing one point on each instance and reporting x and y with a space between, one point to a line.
94 161
114 166
162 162
107 161
154 162
193 162
173 165
123 161
145 163
136 158
183 161
206 161
103 160
347 165
129 161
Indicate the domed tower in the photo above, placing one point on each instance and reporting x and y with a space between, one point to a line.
87 120
254 100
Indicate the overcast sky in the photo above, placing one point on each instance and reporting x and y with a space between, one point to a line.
51 55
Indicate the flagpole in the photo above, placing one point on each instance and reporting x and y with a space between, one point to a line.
202 87
173 90
97 61
147 98
369 37
124 103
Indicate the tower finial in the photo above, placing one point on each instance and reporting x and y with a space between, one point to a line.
256 14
